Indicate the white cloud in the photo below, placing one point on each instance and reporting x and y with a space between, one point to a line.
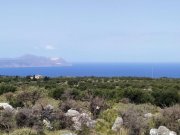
49 47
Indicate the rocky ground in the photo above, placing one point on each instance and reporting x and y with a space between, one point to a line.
62 107
123 119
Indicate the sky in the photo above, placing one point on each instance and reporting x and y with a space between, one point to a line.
92 30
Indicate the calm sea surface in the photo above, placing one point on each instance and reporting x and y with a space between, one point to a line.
100 70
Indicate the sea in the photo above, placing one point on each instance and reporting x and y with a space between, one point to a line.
152 70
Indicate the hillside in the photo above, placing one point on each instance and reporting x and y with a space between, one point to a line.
32 61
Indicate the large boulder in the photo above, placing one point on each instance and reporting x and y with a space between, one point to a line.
162 130
6 107
83 119
80 119
72 113
117 124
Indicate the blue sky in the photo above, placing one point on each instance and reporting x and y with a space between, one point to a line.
92 30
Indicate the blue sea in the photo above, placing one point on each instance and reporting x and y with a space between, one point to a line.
153 70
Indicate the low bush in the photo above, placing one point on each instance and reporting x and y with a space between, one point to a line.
134 121
165 98
5 88
60 121
29 98
138 96
69 104
169 118
27 118
56 93
97 105
7 122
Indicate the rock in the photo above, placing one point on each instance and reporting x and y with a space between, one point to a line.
117 124
162 130
178 121
49 107
6 107
97 107
72 113
148 115
91 123
47 124
77 125
153 132
172 133
83 119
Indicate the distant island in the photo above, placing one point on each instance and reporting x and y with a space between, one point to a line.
32 61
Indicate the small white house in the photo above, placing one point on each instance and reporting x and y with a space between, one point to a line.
36 77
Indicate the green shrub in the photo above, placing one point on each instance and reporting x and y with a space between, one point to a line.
165 98
16 103
56 93
138 96
13 100
6 88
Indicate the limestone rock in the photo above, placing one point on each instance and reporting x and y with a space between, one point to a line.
49 107
162 130
153 132
83 119
148 115
6 107
172 133
117 124
72 113
47 124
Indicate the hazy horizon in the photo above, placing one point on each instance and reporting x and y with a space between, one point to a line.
92 31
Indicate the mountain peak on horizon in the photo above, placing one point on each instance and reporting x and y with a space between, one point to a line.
29 60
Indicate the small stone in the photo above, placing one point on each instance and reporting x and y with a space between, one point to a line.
49 107
178 120
97 107
172 133
47 124
153 132
148 115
